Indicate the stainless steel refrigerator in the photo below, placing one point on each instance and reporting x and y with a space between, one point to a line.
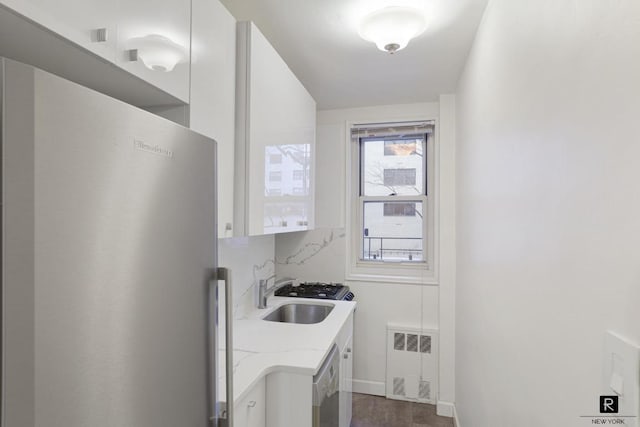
109 308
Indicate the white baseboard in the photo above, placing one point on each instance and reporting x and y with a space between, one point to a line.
456 423
369 387
444 409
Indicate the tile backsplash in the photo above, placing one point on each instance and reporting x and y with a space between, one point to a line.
315 256
249 259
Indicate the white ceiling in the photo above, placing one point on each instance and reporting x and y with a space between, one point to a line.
319 41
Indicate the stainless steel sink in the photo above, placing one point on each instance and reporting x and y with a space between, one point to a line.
299 313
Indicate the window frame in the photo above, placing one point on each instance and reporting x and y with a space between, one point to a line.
423 272
390 198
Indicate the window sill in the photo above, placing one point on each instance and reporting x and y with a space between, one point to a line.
391 279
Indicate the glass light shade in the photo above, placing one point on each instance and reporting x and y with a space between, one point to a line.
392 28
159 53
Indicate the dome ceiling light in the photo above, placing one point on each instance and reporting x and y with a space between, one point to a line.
392 28
157 52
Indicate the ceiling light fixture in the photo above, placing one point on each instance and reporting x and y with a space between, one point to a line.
158 53
392 28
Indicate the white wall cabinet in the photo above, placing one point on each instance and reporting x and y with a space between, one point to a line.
167 18
251 410
79 21
275 141
75 20
212 106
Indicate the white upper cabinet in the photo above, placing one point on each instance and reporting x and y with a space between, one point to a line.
81 21
213 94
111 28
275 141
160 30
88 23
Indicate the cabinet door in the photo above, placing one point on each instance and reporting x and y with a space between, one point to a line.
75 20
278 121
346 383
251 411
170 19
213 94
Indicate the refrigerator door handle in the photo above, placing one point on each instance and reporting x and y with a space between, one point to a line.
223 412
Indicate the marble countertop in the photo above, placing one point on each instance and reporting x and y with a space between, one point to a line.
262 347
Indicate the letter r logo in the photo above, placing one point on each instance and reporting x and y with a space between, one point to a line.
608 404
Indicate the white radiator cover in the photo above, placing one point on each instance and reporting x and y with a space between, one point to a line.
412 364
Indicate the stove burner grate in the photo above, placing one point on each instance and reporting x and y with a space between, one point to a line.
335 291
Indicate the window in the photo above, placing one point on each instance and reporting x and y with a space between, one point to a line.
298 175
392 210
393 177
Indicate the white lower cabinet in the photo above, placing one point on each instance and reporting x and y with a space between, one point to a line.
289 399
289 395
344 340
346 382
251 411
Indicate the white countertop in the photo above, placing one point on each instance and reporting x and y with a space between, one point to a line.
262 347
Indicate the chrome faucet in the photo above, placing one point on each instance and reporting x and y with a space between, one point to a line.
263 292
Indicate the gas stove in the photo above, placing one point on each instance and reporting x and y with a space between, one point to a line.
336 291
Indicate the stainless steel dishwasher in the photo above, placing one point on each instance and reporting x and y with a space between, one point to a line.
326 387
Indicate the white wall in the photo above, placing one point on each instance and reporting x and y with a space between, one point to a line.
320 255
548 208
447 250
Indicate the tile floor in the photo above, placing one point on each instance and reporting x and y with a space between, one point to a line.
376 411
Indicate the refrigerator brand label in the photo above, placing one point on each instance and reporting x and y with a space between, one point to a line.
153 149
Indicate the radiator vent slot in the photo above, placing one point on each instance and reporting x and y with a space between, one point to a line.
425 390
398 386
425 344
398 341
412 342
